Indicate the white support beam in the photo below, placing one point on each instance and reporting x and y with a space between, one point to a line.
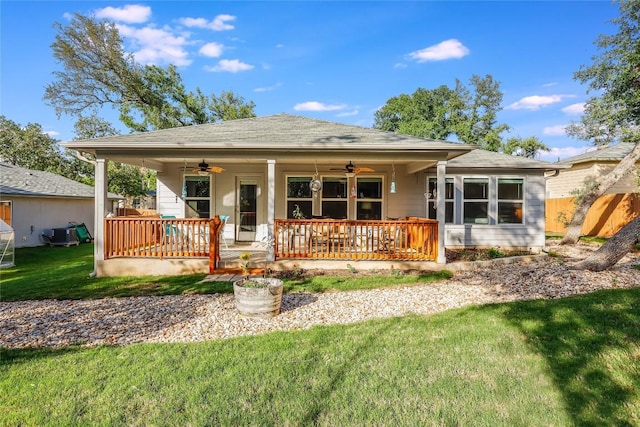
271 208
100 211
441 209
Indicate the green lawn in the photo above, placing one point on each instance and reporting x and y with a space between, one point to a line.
63 273
566 362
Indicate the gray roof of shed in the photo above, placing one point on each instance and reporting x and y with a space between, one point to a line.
613 153
19 181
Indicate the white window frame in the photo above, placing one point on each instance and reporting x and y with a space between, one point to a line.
380 200
521 200
312 199
431 197
187 199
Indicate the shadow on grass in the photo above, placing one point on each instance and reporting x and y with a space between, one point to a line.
591 345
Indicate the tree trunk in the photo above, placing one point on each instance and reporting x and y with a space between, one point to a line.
615 248
625 166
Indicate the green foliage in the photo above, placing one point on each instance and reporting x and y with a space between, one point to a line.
524 147
614 112
443 112
97 73
495 253
29 147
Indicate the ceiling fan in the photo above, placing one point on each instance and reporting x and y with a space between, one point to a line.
204 167
351 168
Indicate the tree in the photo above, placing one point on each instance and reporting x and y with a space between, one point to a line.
30 147
524 147
443 112
425 113
615 75
98 73
478 125
126 180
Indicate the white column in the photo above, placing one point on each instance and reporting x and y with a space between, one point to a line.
441 187
100 210
271 208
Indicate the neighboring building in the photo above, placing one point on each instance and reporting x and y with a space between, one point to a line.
266 165
619 205
34 202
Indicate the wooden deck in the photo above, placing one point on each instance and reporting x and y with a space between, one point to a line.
321 239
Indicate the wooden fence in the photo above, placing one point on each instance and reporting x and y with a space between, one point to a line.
608 214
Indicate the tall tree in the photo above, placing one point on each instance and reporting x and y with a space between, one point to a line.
96 72
439 113
29 147
615 112
479 124
126 180
524 147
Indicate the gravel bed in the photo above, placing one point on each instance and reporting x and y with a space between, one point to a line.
192 318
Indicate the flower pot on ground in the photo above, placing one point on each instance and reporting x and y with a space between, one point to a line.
258 297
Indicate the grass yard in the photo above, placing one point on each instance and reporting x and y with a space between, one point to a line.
564 362
538 363
63 273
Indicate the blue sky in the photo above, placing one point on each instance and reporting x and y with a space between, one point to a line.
336 61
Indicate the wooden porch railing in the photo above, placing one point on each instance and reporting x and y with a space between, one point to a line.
163 237
411 239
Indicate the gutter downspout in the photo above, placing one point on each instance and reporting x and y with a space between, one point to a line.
77 154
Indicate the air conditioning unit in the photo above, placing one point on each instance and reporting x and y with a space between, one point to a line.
64 237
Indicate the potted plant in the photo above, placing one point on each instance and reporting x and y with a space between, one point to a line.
258 297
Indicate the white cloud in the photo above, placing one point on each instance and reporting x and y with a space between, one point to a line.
156 46
574 108
556 130
348 113
229 65
399 65
212 50
219 23
535 102
550 84
559 153
131 13
447 49
51 133
268 88
318 106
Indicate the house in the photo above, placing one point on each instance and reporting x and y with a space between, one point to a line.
312 190
34 202
619 205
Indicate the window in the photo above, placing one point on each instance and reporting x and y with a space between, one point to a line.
299 196
369 191
197 196
510 197
448 199
476 200
334 197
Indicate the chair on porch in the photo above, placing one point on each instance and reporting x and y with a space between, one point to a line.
170 232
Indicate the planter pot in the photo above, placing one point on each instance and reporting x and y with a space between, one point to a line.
259 302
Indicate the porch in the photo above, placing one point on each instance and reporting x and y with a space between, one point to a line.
195 243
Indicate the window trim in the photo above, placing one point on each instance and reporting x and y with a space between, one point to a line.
186 198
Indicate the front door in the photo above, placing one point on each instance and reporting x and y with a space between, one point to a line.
247 192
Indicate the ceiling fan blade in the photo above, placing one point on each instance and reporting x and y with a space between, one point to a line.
363 169
215 169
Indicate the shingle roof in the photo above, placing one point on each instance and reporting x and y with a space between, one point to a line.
612 153
277 130
489 159
19 181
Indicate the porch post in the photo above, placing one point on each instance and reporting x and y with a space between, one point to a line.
441 208
271 208
100 211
